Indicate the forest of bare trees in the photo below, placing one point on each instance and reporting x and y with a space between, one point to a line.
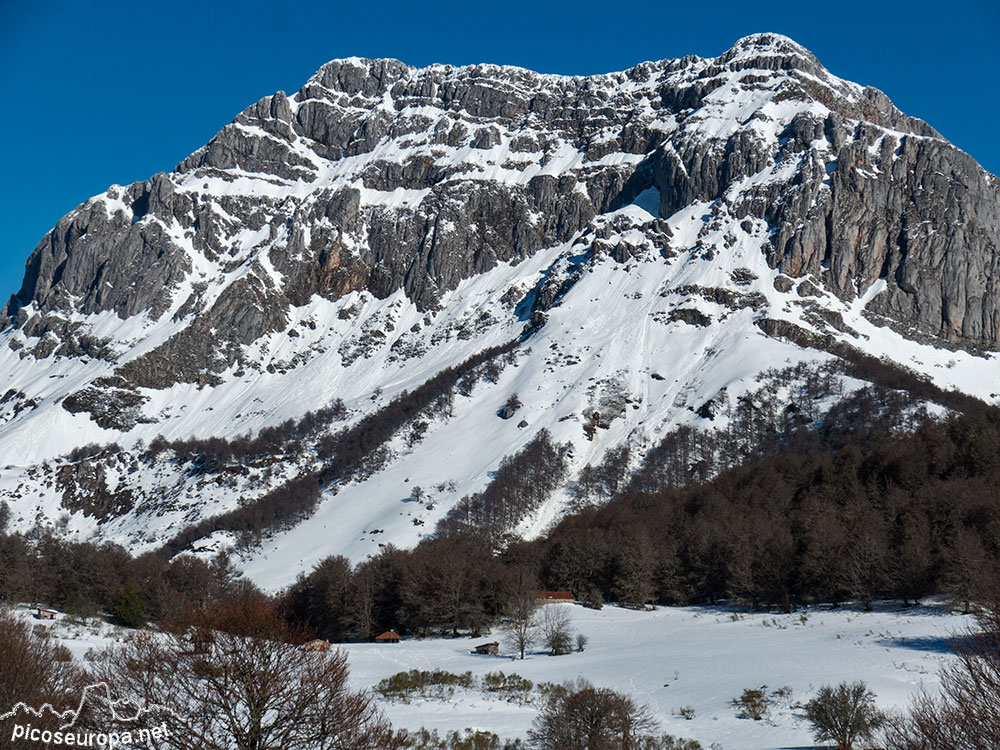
85 579
521 484
907 516
904 516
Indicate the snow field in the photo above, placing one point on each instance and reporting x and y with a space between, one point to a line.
668 658
677 657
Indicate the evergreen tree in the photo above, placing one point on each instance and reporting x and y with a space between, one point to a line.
130 610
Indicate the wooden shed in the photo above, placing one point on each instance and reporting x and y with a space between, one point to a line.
389 636
548 597
491 649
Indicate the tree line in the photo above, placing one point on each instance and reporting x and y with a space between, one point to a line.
209 455
905 516
522 482
852 507
355 452
758 425
85 579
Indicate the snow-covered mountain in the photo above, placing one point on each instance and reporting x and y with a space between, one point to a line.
440 263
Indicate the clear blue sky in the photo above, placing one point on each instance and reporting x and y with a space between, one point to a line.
96 93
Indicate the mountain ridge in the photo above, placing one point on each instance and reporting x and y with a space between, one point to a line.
631 233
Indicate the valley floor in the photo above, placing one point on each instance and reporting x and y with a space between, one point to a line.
697 657
668 659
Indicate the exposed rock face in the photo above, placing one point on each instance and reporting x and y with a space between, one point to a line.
914 211
377 176
351 285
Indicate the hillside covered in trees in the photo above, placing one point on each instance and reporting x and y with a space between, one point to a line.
899 516
902 515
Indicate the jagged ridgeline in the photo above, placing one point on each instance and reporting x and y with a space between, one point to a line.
403 300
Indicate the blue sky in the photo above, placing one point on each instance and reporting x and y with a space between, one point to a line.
112 92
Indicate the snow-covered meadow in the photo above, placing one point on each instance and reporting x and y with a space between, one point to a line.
688 657
669 658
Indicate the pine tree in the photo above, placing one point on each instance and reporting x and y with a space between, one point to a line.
130 610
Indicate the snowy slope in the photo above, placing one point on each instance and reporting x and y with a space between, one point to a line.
628 302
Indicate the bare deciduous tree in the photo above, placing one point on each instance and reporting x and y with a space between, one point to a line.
966 714
583 717
555 629
522 627
966 573
249 688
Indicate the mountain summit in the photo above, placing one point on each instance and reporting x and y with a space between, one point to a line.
396 279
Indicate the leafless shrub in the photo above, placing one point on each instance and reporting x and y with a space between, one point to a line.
966 713
250 686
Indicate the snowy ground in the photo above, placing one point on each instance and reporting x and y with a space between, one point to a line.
78 634
696 657
669 658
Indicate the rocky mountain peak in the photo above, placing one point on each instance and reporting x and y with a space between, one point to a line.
350 284
759 47
377 178
358 75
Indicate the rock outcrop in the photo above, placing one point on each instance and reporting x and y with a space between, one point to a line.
377 176
357 303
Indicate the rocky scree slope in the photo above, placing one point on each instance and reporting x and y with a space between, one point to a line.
635 243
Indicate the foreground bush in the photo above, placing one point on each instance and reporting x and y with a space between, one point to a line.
845 714
439 683
467 740
513 687
966 713
582 717
34 672
753 703
245 685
